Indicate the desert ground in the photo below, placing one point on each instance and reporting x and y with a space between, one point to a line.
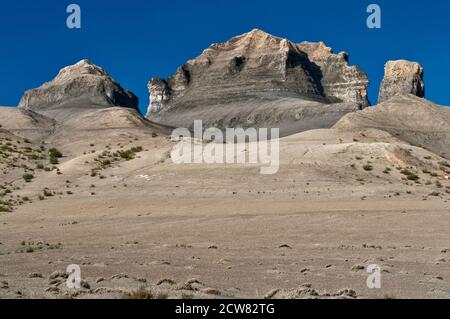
341 201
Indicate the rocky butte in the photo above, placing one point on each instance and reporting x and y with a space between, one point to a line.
259 80
80 98
82 84
402 77
403 111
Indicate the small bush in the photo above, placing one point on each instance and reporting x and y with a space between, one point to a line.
54 156
368 167
53 152
410 175
413 177
5 209
28 177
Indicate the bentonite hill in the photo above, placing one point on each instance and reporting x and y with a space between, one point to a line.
87 180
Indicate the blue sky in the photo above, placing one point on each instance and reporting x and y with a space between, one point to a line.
135 40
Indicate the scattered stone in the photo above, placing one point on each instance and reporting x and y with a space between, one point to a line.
85 285
58 274
271 294
211 291
358 268
166 281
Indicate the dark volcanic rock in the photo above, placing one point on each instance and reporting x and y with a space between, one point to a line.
260 80
401 77
82 83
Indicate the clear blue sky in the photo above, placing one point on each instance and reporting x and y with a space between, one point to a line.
135 40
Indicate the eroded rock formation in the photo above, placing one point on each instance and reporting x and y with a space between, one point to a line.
82 82
401 77
338 78
257 79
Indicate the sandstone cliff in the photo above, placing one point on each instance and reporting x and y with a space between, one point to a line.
401 77
257 79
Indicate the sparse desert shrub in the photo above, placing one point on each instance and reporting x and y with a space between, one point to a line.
53 152
130 154
410 175
54 155
5 209
47 192
368 167
54 161
28 177
413 177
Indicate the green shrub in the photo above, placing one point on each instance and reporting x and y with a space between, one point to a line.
410 175
28 177
413 177
54 156
53 152
5 209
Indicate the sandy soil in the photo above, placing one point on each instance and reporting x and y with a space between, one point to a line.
208 231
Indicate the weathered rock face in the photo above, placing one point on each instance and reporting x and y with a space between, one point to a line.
84 82
257 79
401 77
345 82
